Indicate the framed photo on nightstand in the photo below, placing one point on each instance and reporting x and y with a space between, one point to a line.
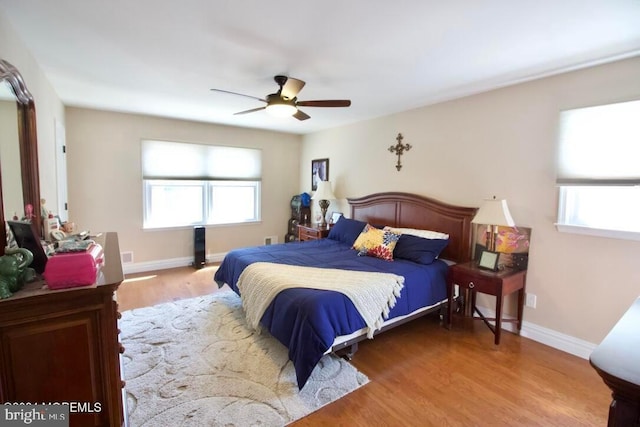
335 216
489 260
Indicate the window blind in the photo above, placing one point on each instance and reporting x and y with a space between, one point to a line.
600 145
180 160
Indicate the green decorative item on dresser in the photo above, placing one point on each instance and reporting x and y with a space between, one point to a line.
14 270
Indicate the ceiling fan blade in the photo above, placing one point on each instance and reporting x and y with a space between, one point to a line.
301 116
325 103
291 88
241 94
249 111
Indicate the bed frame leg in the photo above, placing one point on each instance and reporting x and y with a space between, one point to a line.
347 352
458 304
352 351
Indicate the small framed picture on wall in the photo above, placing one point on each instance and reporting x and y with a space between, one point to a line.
319 172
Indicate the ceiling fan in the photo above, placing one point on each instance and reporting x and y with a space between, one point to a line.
285 102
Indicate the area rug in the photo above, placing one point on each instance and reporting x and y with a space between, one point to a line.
194 362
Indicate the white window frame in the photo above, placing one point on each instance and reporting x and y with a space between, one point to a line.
208 204
598 166
567 224
199 172
211 207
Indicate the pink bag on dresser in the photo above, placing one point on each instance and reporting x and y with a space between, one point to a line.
73 269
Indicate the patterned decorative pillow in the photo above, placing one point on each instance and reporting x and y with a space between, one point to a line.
377 243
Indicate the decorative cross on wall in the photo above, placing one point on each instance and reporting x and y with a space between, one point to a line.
399 149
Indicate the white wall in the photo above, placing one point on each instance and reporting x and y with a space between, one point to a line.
502 143
105 181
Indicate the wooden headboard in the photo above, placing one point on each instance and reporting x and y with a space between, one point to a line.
413 211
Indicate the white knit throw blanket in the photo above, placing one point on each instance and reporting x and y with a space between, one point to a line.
373 294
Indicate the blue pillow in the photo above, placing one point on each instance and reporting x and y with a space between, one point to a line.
346 230
419 249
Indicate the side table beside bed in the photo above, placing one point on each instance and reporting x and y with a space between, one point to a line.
469 277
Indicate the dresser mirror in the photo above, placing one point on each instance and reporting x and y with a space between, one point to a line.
19 176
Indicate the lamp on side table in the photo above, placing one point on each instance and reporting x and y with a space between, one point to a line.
323 194
494 212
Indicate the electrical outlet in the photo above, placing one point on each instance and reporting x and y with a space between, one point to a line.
531 300
271 240
126 257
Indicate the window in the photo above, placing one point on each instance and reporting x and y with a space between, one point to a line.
195 184
599 171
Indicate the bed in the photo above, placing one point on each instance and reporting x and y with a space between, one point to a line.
313 322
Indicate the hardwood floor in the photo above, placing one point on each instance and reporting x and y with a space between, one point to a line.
150 288
422 374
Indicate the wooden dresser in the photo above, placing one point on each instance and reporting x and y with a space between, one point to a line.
62 346
616 361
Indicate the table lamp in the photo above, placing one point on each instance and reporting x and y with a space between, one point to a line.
493 212
323 194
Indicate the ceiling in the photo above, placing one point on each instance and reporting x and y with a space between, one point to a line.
161 57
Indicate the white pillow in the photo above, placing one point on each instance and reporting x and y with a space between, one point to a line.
427 234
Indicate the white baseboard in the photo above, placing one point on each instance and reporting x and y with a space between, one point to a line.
141 267
546 336
557 340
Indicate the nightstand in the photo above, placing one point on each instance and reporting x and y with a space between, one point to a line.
469 276
312 232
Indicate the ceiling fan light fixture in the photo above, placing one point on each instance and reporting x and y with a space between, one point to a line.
281 109
284 102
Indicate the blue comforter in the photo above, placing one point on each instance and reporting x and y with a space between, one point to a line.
307 321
